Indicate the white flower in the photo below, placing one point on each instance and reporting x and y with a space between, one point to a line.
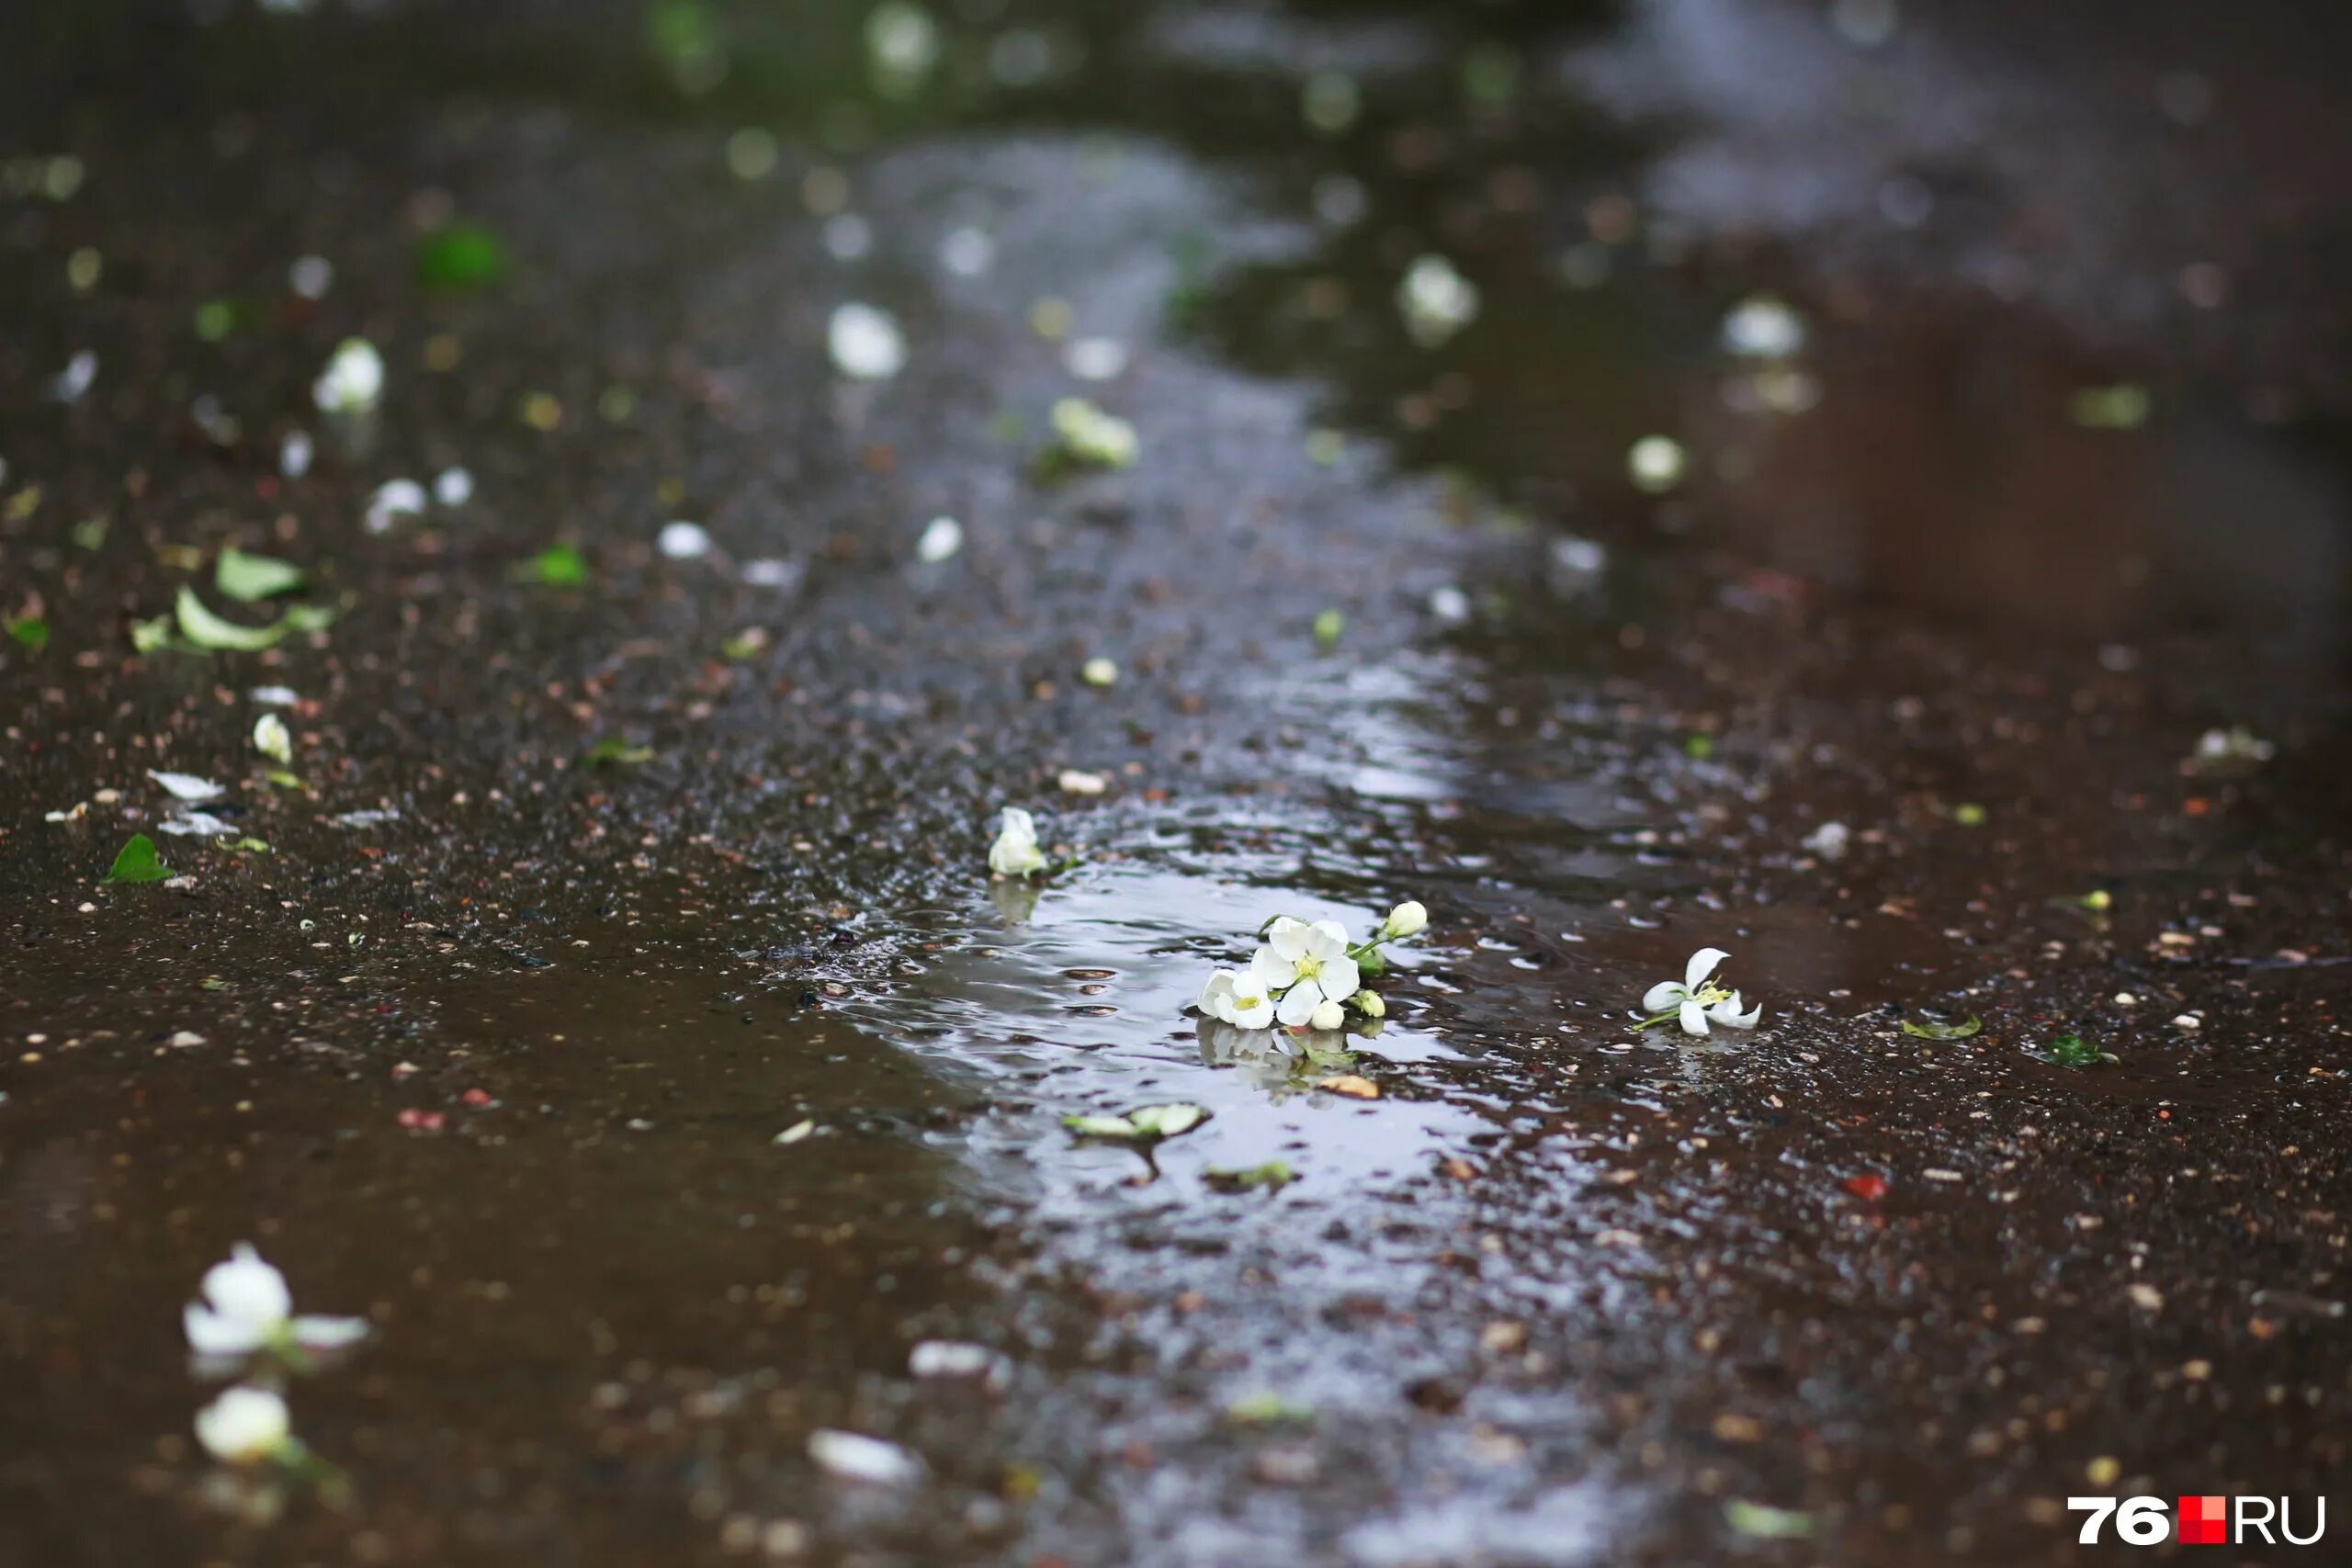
855 1457
1237 999
1657 464
1697 1003
1763 328
273 739
1437 301
683 540
1327 1016
1405 919
244 1425
942 537
1016 851
394 498
867 344
247 1307
353 380
1308 965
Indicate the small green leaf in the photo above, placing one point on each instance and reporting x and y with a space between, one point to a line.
558 566
1274 1176
216 319
205 629
137 862
89 533
1971 815
248 579
745 644
1765 1523
31 631
612 752
311 617
2074 1051
1699 748
1147 1123
1930 1029
147 636
1329 625
460 255
1269 1409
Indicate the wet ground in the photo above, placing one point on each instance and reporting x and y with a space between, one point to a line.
494 1043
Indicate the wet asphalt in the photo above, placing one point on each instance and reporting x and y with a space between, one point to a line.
493 1040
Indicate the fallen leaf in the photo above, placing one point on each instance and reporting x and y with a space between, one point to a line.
1350 1085
137 862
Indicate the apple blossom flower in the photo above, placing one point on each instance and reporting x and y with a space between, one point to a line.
353 380
1016 851
1308 965
1697 1003
1237 999
1327 1016
1408 918
247 1307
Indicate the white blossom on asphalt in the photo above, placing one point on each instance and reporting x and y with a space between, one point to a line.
1696 1002
247 1307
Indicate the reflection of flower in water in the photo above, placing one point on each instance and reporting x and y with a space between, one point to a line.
1276 1060
1015 901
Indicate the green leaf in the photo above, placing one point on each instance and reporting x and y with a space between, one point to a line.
558 566
248 579
2074 1051
1274 1176
1930 1030
205 629
1269 1409
31 631
137 862
1329 625
1765 1523
1147 1123
460 255
612 752
1699 748
311 617
148 637
1371 962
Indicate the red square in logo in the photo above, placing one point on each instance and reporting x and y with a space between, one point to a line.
2204 1521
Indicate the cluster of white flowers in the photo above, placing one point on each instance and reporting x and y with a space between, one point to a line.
1306 974
248 1312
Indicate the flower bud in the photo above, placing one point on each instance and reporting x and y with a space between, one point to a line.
243 1424
1404 920
1327 1016
1368 1003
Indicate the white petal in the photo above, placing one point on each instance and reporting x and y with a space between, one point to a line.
1299 1005
1270 971
210 1334
329 1333
1217 994
248 1290
1327 939
1664 997
1702 964
1339 978
1253 1012
1289 938
1694 1019
1727 1013
856 1456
